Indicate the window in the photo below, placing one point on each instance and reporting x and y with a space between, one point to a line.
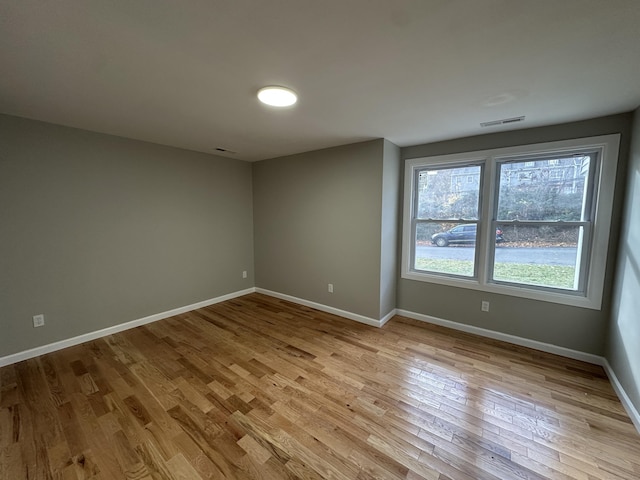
444 216
519 228
549 228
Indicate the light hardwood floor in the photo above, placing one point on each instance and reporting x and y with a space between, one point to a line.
257 387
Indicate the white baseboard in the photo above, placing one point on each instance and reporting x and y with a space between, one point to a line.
86 337
388 317
505 337
325 308
634 415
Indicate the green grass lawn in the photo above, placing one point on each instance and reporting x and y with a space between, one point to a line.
559 276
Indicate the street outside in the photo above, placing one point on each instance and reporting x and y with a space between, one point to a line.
528 255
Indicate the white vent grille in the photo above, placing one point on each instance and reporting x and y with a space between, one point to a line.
504 121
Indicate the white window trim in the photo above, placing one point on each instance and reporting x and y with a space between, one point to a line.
606 145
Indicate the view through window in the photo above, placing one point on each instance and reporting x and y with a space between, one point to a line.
544 210
529 221
448 210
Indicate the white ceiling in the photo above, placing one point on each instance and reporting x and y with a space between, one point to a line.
185 73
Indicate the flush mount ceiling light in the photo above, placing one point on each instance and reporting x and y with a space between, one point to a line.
277 96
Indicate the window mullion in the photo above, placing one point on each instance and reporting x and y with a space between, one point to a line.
484 257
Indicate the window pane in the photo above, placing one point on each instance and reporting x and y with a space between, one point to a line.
547 256
445 248
544 190
449 193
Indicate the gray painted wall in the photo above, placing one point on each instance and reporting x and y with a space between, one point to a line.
317 220
623 350
97 230
390 211
571 327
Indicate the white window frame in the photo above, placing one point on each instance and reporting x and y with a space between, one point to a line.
606 146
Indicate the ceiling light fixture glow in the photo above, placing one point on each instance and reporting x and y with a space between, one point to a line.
277 96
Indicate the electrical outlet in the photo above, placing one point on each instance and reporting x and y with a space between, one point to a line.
485 306
38 321
330 288
244 274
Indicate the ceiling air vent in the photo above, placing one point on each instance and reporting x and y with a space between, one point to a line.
224 150
504 121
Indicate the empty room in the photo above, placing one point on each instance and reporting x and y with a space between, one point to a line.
282 239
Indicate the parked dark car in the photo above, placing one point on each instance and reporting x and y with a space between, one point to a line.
461 234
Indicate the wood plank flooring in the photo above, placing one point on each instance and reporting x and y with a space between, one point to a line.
257 387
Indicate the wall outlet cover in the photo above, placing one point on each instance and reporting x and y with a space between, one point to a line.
38 321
